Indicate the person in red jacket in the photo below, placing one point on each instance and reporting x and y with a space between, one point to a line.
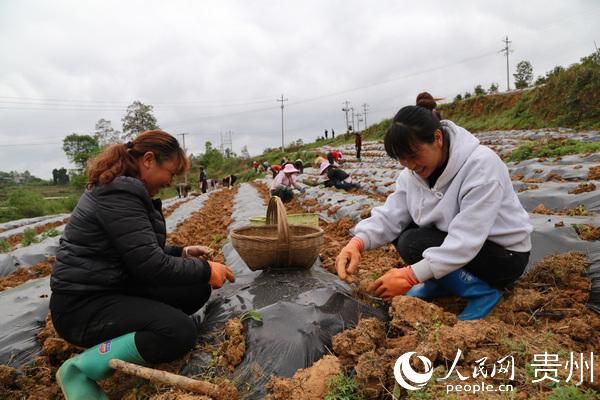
275 168
334 155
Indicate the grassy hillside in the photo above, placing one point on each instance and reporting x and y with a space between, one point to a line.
570 98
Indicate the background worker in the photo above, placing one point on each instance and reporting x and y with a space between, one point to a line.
336 177
358 144
229 180
299 165
275 169
454 216
202 180
284 183
334 156
117 289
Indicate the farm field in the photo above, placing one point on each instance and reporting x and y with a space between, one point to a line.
308 335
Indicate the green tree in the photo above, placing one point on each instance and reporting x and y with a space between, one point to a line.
479 91
467 95
80 148
458 97
212 157
524 74
27 203
61 176
139 118
493 88
105 134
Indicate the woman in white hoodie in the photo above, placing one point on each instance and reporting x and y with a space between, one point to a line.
454 217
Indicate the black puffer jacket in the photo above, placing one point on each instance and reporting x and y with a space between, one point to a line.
115 239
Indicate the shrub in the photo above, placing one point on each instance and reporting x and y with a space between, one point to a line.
27 203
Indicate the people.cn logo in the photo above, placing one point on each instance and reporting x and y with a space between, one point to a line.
407 377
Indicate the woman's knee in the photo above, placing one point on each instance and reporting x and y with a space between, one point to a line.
413 242
194 298
172 340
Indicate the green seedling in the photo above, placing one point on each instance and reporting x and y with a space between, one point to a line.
29 237
343 387
4 246
251 314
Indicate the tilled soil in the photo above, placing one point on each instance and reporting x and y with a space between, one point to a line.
167 211
544 312
24 274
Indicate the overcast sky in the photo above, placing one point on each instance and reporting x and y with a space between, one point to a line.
216 66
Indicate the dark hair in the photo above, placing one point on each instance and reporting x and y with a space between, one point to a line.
411 126
120 159
425 99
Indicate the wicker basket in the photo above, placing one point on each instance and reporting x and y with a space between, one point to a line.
277 245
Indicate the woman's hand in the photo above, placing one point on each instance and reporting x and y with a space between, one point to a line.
197 251
346 263
395 282
218 274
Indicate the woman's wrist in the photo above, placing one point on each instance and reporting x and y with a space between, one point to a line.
184 253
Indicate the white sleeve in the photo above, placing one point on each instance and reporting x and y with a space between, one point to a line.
468 231
387 221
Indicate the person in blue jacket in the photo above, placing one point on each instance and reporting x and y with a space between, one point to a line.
454 217
117 288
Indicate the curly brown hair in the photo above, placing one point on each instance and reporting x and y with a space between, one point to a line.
120 159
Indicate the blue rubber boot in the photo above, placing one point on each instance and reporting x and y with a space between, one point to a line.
78 375
430 289
481 297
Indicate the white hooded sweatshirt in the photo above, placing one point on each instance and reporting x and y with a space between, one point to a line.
473 200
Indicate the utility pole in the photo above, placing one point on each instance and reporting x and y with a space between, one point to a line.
282 137
346 109
365 109
358 121
185 152
183 140
507 50
353 125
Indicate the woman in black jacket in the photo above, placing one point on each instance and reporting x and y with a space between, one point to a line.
115 285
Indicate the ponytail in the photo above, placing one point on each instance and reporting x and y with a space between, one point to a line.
121 159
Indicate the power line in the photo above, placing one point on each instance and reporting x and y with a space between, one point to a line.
27 144
108 103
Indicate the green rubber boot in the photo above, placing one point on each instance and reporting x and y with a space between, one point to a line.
78 375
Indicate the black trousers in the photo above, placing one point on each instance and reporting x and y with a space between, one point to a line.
285 194
494 264
159 316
